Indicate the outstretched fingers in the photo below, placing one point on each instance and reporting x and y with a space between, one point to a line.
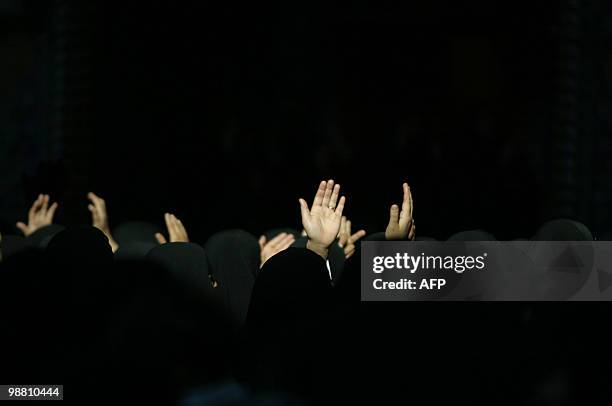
340 207
51 212
328 193
318 199
35 208
334 197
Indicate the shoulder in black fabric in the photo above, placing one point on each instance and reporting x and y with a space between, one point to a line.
41 237
336 257
12 244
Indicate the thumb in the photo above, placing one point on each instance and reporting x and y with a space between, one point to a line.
262 241
304 209
160 238
21 226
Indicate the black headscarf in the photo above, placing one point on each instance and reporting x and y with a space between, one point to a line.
135 231
563 230
472 235
75 280
186 264
167 330
233 258
80 259
291 300
292 285
135 240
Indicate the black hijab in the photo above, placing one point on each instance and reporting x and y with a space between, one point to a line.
472 235
233 258
187 265
563 230
76 276
292 285
80 259
167 330
287 324
135 240
135 231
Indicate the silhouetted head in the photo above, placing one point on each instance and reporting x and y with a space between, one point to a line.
472 235
234 258
293 286
187 265
563 230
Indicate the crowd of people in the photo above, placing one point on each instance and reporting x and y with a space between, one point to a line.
137 314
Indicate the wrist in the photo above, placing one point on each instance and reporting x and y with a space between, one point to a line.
318 248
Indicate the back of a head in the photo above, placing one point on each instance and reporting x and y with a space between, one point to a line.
135 231
78 262
82 246
234 257
287 323
292 286
187 265
563 230
472 235
165 332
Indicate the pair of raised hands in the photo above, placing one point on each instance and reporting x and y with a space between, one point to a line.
41 214
323 221
99 219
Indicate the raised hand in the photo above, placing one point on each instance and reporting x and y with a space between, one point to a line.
99 218
176 230
40 215
401 223
322 221
277 244
346 240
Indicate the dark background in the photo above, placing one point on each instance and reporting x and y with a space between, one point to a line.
224 113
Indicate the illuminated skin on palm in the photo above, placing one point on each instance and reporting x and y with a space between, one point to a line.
99 218
39 216
322 221
176 230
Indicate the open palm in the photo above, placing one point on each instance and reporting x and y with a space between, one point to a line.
39 216
322 221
